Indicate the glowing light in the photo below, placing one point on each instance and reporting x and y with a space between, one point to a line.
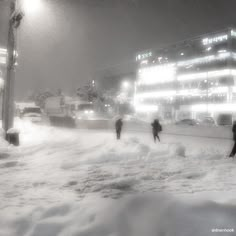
215 40
205 75
209 49
125 84
1 83
218 90
157 74
3 51
3 60
3 55
226 107
188 92
143 56
205 59
222 51
146 108
144 62
184 92
233 33
156 94
31 6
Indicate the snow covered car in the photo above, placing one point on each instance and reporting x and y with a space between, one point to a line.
187 122
33 114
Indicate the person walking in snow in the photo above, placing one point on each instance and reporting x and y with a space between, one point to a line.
233 152
118 126
156 129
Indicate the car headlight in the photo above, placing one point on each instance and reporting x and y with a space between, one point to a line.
91 112
86 112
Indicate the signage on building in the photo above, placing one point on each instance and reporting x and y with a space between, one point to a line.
143 56
217 39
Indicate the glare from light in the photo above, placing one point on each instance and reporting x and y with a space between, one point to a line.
144 62
3 60
233 33
188 92
206 75
219 38
146 108
31 6
206 59
183 92
3 56
222 51
1 83
125 84
157 74
3 51
209 49
219 90
227 107
156 94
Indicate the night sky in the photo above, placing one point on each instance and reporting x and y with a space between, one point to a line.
69 41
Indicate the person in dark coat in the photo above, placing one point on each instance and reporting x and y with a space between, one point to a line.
233 152
156 129
118 125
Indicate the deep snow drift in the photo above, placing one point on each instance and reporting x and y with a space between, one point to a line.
78 182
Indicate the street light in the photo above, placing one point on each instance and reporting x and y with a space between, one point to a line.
31 6
16 15
125 84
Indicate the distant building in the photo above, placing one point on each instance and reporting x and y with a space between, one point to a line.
190 79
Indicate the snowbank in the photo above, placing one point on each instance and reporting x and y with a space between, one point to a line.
149 215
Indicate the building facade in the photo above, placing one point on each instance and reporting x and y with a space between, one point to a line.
193 78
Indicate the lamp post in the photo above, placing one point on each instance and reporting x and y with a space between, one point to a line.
15 17
8 95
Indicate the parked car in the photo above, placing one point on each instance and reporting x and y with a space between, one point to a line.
208 121
187 122
33 114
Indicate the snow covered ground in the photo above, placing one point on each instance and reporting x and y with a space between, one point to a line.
69 182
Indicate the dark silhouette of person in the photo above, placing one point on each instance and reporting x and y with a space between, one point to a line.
118 125
233 152
156 129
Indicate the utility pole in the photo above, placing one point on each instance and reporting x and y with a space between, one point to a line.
8 95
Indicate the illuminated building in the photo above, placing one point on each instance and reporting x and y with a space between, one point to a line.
3 60
190 79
